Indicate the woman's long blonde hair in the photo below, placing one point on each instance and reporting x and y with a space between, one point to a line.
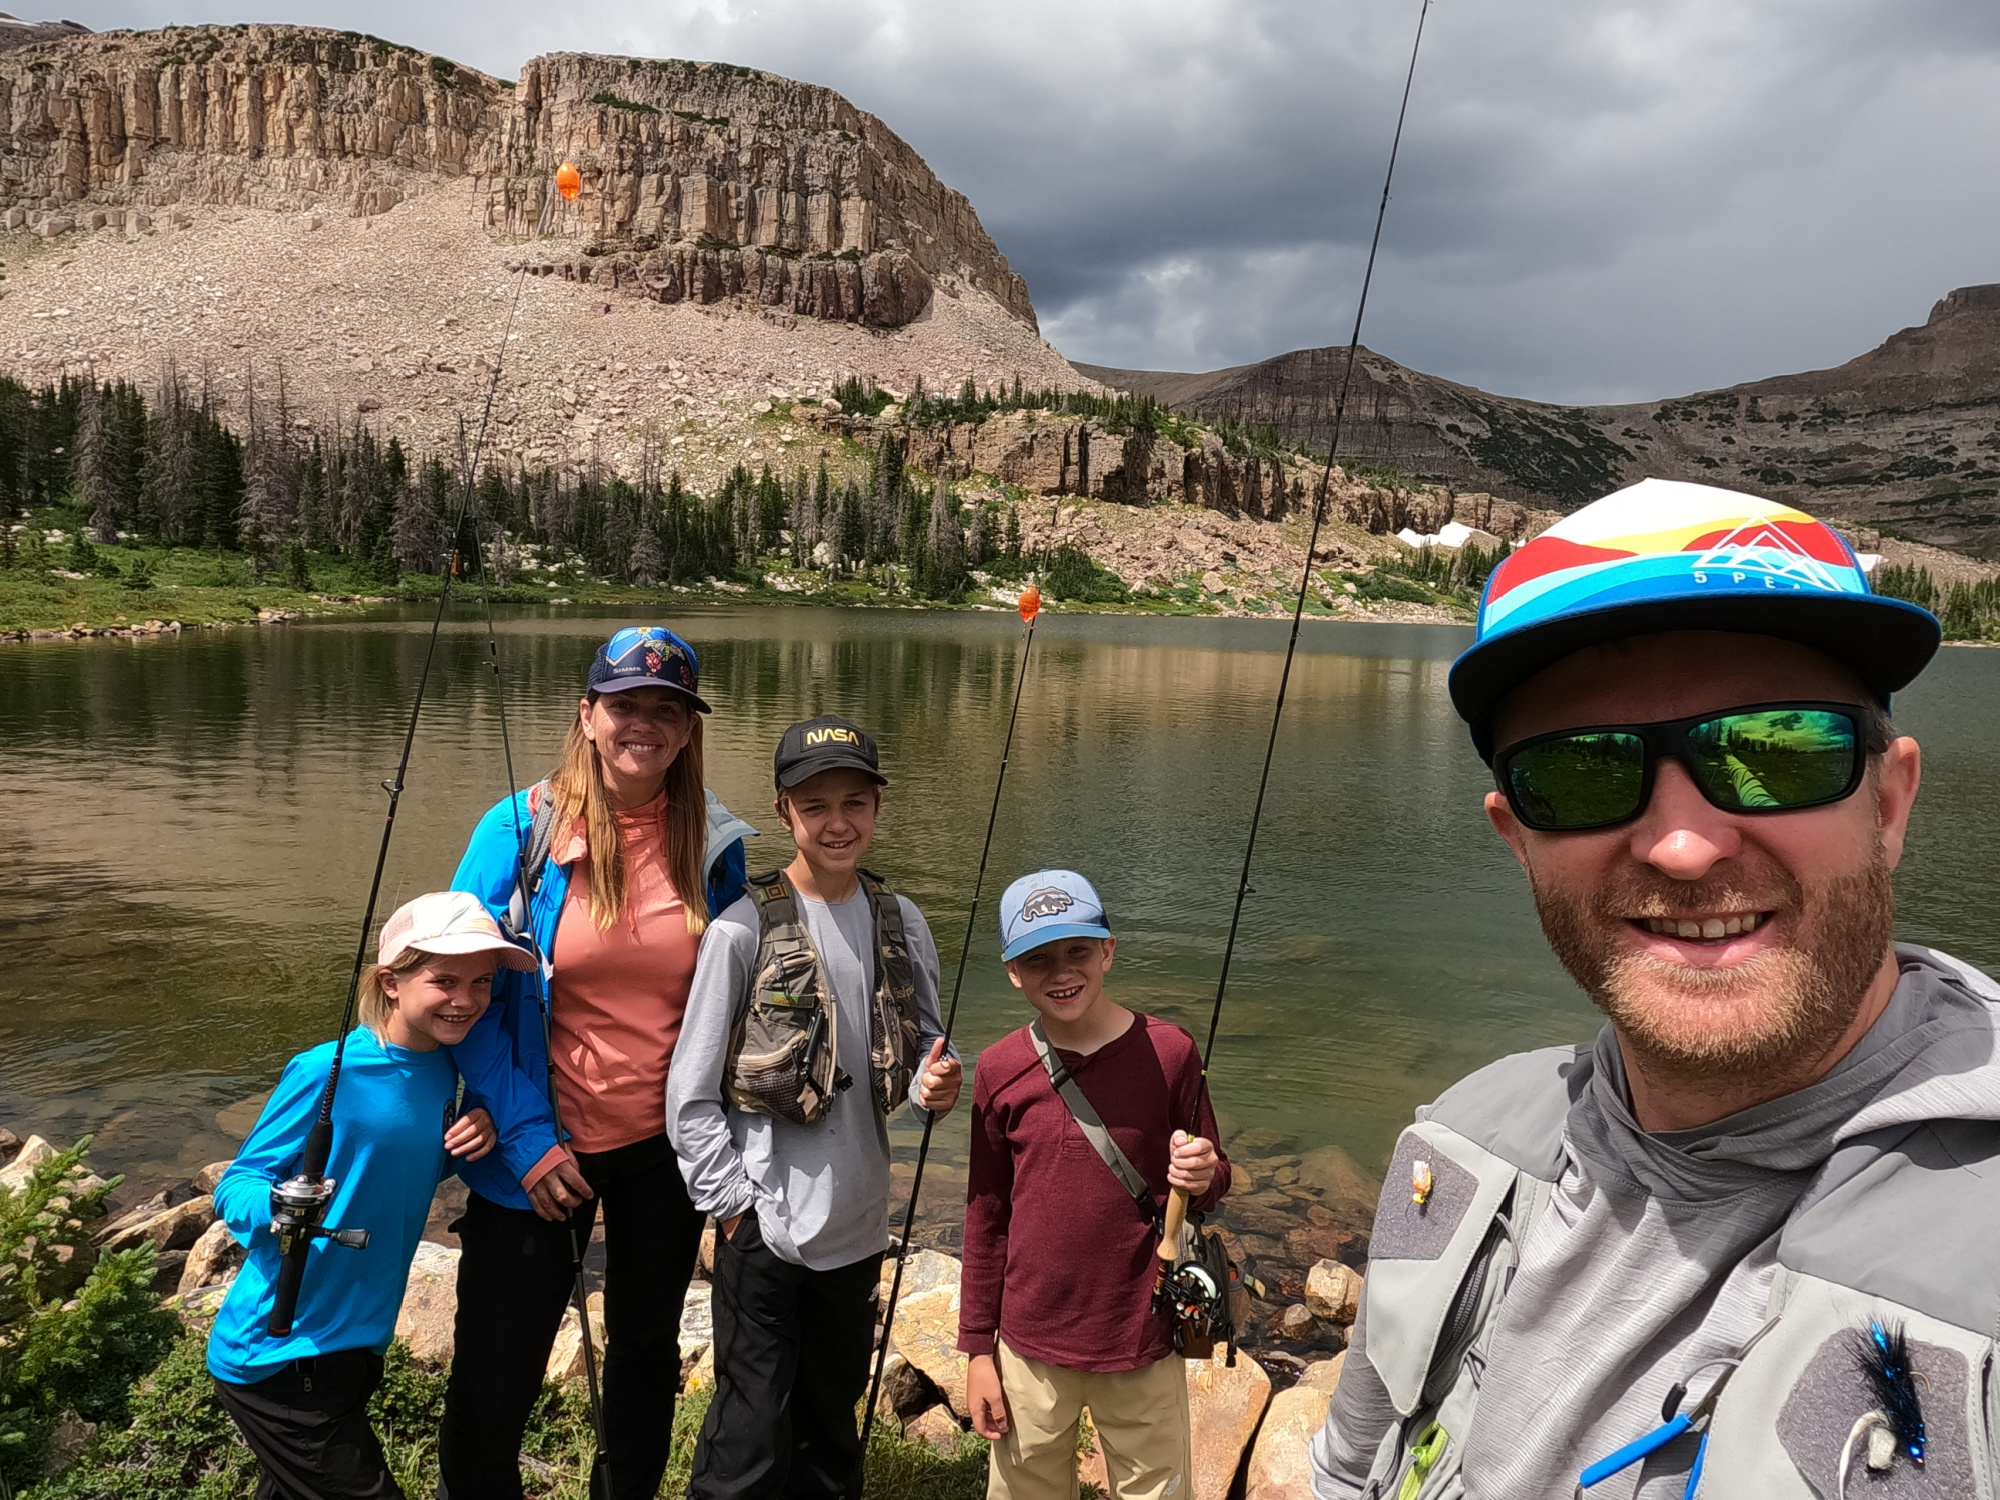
578 788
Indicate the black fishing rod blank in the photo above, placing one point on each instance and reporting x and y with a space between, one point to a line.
1243 887
298 1205
1031 608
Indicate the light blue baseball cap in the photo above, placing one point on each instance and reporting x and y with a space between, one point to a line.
1048 905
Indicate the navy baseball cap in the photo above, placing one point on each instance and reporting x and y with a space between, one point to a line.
1666 554
647 656
1047 906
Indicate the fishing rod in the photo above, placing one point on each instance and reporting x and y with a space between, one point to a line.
1031 608
1177 1203
299 1204
568 183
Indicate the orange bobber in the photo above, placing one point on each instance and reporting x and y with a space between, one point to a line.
1031 603
569 181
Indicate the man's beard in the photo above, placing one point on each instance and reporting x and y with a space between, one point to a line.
1765 1018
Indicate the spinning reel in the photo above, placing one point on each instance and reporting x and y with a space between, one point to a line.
297 1207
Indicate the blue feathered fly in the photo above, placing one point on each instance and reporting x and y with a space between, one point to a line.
1883 1354
1896 1423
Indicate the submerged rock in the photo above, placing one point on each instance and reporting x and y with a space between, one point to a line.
1333 1291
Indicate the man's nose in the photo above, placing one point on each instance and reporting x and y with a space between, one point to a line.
1681 833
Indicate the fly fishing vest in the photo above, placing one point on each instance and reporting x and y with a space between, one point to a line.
1899 1226
782 1048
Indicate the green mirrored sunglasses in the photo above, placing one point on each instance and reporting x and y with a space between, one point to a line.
1771 757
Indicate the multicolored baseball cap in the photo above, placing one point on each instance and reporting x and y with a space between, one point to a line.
647 656
1669 555
1048 905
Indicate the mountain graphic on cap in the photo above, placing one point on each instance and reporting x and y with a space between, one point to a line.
1665 555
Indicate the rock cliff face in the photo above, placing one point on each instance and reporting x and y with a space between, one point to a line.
1070 456
1907 436
701 181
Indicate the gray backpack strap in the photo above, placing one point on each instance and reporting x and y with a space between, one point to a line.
1093 1128
534 855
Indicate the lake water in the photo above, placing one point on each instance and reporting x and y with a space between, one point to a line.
191 823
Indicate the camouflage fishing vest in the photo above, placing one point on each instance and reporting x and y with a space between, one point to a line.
782 1048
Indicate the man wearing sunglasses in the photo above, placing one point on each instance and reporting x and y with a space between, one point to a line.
1747 1242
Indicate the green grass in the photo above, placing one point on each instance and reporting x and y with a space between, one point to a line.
181 1441
195 588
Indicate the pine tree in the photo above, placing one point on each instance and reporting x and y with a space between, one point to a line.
649 559
420 534
94 491
853 544
942 573
167 496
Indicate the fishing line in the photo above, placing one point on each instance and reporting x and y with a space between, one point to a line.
600 1475
1305 578
1031 608
299 1204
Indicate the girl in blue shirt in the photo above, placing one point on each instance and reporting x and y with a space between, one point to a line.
302 1400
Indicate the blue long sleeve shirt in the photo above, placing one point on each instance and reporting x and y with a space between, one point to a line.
388 1157
505 1057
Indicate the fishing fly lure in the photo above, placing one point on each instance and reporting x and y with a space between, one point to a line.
1895 1424
1883 1353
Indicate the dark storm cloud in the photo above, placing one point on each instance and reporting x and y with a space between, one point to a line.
1598 199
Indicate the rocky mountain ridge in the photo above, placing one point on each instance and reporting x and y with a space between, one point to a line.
1904 438
712 181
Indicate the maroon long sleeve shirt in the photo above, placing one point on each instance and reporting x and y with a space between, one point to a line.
1058 1260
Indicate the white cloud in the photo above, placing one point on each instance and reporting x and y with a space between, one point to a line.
1597 199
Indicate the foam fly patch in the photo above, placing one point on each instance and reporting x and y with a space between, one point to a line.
1832 1392
1405 1230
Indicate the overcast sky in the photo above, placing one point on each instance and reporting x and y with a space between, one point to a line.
1597 200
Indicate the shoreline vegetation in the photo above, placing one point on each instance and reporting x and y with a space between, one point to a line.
112 1287
131 513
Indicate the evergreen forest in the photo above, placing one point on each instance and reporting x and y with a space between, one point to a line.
278 491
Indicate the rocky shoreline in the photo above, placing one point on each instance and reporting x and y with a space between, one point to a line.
1296 1222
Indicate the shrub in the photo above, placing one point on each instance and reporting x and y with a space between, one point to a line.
1072 575
297 574
140 575
180 1441
76 1329
1387 586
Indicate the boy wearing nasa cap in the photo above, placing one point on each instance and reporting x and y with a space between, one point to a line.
1056 1299
813 1017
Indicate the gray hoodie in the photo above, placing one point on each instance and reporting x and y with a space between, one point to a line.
821 1192
1657 1251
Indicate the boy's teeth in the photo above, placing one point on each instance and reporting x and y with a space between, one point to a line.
1711 927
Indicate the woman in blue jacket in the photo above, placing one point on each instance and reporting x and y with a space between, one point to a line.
627 858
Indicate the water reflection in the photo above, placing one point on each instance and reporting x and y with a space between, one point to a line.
192 823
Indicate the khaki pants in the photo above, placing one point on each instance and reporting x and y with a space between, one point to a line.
1141 1417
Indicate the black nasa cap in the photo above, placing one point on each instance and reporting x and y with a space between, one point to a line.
827 743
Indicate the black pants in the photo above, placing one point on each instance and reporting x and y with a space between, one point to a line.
514 1279
308 1426
791 1360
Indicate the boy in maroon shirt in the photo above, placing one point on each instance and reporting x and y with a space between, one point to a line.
1056 1297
